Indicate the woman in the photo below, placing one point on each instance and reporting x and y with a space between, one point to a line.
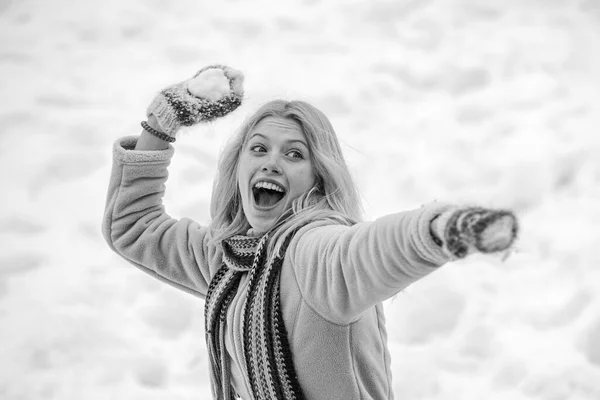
292 278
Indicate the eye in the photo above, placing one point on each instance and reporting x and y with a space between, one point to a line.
257 148
296 154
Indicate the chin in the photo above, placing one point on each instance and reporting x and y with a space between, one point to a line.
262 225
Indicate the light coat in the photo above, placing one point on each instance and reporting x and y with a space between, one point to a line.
334 277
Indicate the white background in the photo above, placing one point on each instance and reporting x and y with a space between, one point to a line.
483 102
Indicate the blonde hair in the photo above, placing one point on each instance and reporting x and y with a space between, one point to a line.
334 196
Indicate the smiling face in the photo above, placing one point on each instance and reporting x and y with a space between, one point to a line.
274 168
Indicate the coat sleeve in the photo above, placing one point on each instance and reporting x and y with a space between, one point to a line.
136 226
343 270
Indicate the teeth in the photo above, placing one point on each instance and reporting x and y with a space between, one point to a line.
268 185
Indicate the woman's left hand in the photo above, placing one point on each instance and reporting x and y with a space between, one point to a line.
466 230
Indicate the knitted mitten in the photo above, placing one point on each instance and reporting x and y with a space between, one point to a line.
213 92
462 231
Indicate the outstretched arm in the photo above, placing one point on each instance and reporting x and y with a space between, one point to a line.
342 271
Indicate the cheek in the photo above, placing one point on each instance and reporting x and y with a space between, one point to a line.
308 178
312 173
243 172
243 182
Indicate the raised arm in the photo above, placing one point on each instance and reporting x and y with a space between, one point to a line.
147 141
135 224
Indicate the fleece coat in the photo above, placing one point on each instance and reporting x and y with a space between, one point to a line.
334 278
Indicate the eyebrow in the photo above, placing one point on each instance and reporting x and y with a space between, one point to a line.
287 141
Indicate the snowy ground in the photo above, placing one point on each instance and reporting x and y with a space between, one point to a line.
494 103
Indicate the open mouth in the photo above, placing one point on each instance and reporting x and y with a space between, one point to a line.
267 195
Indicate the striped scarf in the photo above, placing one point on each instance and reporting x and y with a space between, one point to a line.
266 348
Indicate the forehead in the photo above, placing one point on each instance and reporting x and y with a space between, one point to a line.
279 128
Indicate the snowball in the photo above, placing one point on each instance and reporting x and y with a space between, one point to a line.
211 84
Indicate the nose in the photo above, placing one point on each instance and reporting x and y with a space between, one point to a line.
271 165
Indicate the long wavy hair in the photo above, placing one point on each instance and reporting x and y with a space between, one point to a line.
334 197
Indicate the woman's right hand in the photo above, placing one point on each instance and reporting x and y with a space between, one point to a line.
211 93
